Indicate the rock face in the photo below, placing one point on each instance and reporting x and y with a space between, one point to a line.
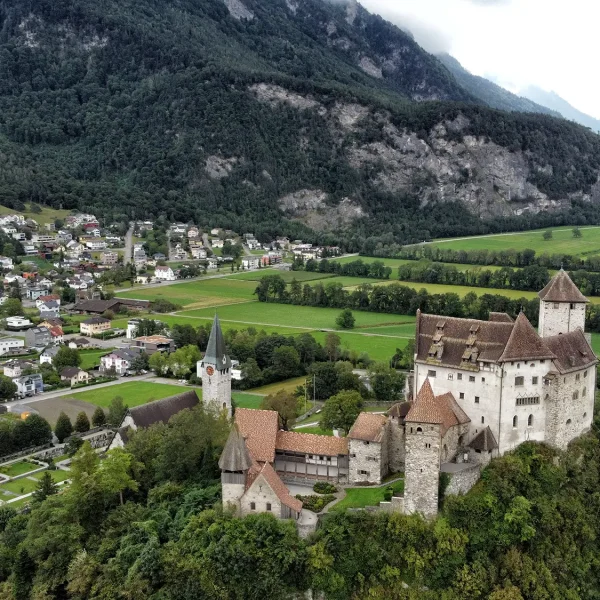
238 10
218 167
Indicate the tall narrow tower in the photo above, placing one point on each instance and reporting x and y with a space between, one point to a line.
215 368
234 464
562 306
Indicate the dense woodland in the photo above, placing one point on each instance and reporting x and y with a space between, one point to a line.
116 107
146 523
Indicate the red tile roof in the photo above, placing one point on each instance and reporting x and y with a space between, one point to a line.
561 289
309 443
259 428
368 427
274 482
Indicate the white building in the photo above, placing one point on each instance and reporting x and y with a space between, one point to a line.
164 274
18 322
8 345
250 262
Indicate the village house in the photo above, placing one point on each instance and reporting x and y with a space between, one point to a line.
29 385
47 355
15 368
47 298
94 326
118 360
18 323
75 376
153 343
38 337
80 343
6 262
250 262
49 309
164 274
109 258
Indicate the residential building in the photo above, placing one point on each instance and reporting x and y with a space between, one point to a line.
49 309
11 345
47 298
94 326
109 258
80 343
29 385
18 323
14 368
119 360
164 274
6 262
47 355
250 262
38 337
75 376
154 343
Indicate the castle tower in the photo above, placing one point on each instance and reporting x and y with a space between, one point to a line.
215 368
422 460
234 464
562 306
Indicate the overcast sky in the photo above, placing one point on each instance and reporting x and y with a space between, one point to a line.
549 43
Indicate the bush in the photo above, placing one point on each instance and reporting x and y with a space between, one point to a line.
323 487
388 493
315 503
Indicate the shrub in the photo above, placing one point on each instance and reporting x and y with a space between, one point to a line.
324 487
388 493
315 503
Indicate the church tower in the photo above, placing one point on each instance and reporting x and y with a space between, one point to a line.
215 369
562 307
234 463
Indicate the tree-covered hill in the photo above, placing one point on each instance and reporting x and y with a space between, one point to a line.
297 117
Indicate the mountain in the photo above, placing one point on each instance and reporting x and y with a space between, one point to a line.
553 101
490 93
298 117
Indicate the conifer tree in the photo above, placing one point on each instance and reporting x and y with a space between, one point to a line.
63 428
99 417
82 423
45 487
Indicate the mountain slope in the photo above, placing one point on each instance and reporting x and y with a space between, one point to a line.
277 116
491 94
553 101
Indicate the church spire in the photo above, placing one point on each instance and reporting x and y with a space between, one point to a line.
216 351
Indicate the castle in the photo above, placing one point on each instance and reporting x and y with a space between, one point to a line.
480 388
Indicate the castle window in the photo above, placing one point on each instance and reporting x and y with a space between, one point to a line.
482 420
577 376
519 381
555 305
364 473
476 399
585 373
321 458
459 376
572 306
530 421
450 376
419 430
568 421
269 506
431 373
483 380
515 421
542 361
584 393
518 365
528 401
367 443
472 378
252 505
534 380
575 394
354 455
461 396
532 365
584 415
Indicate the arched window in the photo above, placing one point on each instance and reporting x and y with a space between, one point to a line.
419 430
224 404
568 421
530 421
515 421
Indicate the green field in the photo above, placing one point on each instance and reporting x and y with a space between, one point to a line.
18 468
378 348
289 386
91 358
133 393
562 241
314 429
18 487
48 215
244 400
285 275
57 476
361 497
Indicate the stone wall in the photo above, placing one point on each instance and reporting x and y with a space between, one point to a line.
366 457
396 452
232 492
260 493
463 481
561 319
422 469
396 504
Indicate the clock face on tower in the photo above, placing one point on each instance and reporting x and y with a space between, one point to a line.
210 370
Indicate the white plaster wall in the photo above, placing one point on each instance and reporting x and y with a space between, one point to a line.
232 493
561 319
216 389
260 493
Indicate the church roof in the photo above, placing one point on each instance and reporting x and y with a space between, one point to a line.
561 289
160 411
259 428
279 488
368 427
235 455
441 410
572 351
216 351
310 443
524 343
484 440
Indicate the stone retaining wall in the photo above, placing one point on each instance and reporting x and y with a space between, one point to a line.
463 481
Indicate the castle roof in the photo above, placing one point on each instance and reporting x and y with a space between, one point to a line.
572 351
561 289
216 351
524 343
368 427
235 455
279 488
160 411
484 440
259 428
399 410
500 317
440 410
310 443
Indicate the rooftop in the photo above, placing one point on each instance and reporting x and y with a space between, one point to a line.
562 289
368 427
310 443
259 428
160 411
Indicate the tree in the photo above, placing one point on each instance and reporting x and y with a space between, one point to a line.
577 232
332 346
286 406
63 428
82 422
45 487
12 307
341 410
99 417
117 410
286 362
251 373
159 363
115 473
140 363
547 235
386 382
7 388
66 357
37 430
345 319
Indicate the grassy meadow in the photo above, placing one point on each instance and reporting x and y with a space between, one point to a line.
48 215
134 393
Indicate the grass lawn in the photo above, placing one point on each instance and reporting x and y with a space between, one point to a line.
562 241
407 330
57 476
19 486
315 429
287 276
18 468
218 290
91 358
133 393
244 400
378 348
48 215
361 497
289 386
20 503
258 313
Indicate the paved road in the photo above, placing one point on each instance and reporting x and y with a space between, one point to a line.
128 246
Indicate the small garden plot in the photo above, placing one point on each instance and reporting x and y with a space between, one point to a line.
18 468
20 486
315 503
362 497
57 476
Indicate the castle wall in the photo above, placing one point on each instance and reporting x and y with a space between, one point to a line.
396 452
232 494
453 440
463 481
366 461
559 317
568 417
261 494
422 469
